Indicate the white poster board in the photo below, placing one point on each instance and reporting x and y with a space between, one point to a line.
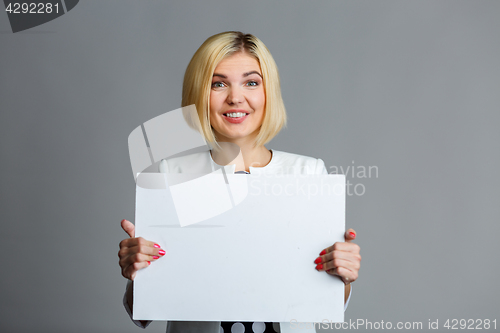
253 262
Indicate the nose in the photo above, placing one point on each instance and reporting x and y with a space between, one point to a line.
235 96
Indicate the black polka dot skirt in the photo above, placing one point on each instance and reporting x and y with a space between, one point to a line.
248 327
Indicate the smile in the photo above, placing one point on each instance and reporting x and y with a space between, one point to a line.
235 117
235 114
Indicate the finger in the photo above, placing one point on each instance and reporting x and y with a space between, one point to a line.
136 258
130 257
337 254
153 252
345 274
350 235
128 227
130 271
146 249
332 264
341 246
139 241
131 246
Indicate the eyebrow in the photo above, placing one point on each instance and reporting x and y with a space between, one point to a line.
244 74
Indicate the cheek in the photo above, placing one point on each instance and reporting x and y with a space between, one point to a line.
212 101
213 105
217 100
258 101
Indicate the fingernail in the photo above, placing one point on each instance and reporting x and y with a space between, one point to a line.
149 263
322 253
156 257
352 234
157 246
162 252
320 266
318 260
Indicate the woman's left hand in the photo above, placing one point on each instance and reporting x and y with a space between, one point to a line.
341 259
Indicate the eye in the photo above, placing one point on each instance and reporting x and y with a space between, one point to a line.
252 83
217 84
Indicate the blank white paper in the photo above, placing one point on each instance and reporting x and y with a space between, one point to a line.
253 262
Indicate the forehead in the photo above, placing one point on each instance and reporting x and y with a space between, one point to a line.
237 63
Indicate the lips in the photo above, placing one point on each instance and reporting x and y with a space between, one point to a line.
236 113
236 117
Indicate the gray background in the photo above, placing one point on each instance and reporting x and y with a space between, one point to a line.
409 87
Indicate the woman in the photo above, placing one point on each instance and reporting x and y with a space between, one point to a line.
234 82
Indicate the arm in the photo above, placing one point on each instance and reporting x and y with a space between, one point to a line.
347 293
135 254
355 259
128 303
343 260
130 267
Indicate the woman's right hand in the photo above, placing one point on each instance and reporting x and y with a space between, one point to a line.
136 253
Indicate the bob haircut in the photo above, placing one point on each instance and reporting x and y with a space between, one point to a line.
198 82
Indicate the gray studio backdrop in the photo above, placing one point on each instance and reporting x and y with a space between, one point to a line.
408 88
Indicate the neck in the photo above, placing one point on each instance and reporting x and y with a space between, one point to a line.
256 157
250 156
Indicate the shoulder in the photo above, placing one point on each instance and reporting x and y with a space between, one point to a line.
192 163
290 163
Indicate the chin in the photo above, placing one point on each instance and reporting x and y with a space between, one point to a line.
234 136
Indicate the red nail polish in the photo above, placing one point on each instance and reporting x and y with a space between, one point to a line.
318 260
149 263
162 252
156 257
320 266
157 246
322 253
352 234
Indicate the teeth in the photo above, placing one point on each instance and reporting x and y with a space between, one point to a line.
235 114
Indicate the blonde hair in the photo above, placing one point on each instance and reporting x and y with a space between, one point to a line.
198 81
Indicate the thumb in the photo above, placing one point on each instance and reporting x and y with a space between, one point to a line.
350 235
128 227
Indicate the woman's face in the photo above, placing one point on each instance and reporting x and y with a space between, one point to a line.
237 98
